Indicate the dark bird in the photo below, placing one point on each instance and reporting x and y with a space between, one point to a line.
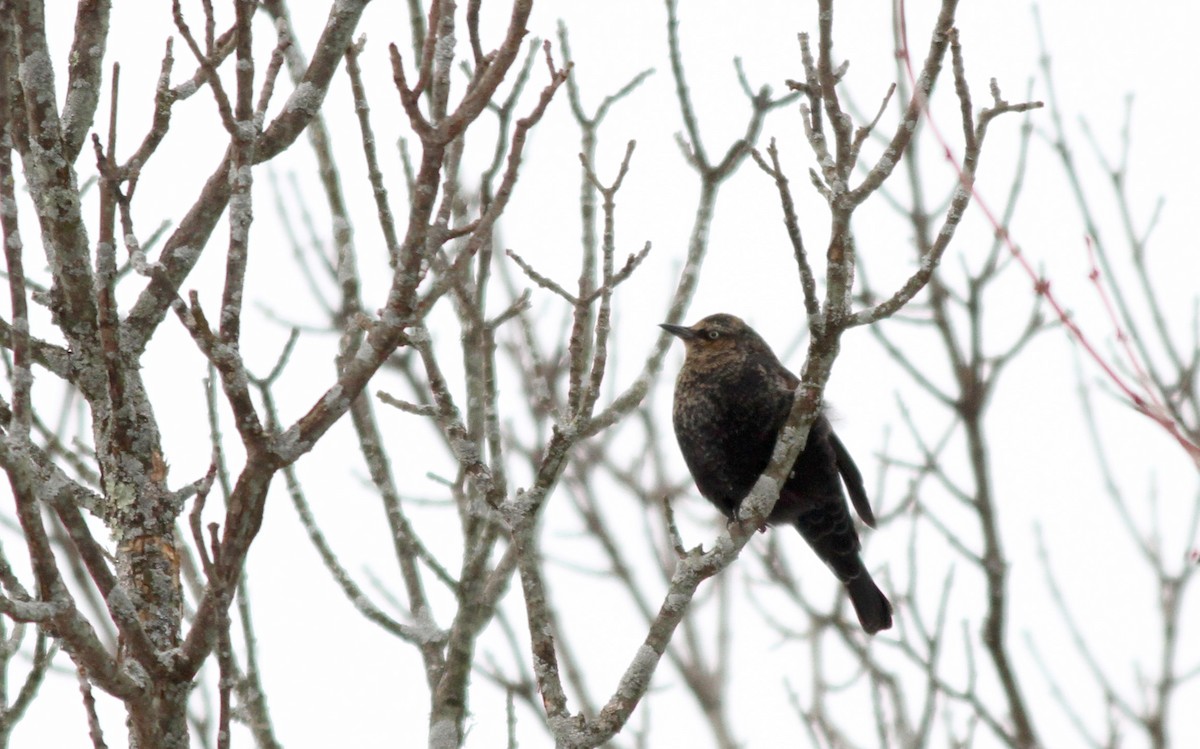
731 399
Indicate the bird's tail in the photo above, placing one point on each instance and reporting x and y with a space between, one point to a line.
872 606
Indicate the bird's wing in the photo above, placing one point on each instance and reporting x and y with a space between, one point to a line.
790 380
853 479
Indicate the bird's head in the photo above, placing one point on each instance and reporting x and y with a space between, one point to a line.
716 336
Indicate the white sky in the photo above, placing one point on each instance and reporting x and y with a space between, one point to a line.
1044 472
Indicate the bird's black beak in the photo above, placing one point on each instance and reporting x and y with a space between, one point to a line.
679 331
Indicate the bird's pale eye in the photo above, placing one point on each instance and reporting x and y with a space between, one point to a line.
713 335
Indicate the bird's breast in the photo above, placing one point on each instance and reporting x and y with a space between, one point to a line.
726 422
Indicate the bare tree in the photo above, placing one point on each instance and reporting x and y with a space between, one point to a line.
124 478
993 692
501 401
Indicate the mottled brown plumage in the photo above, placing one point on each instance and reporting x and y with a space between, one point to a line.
731 399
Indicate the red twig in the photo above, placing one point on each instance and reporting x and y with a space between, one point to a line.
1122 337
1145 401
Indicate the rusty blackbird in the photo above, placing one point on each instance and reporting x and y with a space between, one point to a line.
731 399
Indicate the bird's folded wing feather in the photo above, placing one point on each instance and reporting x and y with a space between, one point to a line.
853 480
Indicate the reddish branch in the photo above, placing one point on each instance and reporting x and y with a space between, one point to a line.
1138 396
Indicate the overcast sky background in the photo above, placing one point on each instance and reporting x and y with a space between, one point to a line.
1044 471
